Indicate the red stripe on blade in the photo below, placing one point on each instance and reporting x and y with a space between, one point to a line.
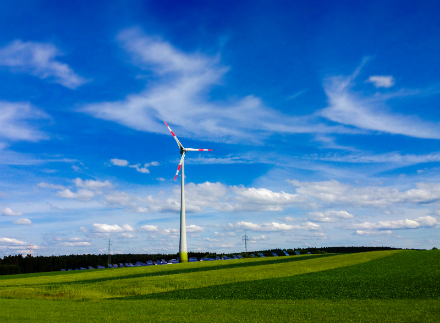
209 149
178 168
172 133
175 177
166 123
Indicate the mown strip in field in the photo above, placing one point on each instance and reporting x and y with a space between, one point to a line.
47 288
403 275
96 276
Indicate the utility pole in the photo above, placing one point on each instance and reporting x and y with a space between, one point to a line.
245 239
30 249
109 255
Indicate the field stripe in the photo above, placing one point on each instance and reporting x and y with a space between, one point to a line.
406 275
128 273
156 284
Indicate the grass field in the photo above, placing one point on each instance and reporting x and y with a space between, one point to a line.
383 286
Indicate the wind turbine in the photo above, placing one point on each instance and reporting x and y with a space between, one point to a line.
183 253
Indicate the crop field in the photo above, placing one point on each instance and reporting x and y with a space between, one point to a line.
381 286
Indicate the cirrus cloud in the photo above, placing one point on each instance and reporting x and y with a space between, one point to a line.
39 59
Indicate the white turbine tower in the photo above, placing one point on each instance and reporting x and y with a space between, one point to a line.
183 253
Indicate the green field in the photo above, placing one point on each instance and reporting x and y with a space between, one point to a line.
382 286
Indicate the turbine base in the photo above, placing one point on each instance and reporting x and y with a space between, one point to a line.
183 257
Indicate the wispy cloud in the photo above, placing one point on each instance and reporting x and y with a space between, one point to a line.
11 241
179 95
424 221
373 233
339 193
119 162
81 195
91 184
39 59
381 81
14 121
370 113
138 167
8 211
23 222
329 216
273 226
392 157
52 186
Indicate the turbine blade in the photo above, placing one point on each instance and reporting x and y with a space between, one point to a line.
175 137
195 149
180 165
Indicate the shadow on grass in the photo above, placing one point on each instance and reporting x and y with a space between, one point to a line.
408 275
238 264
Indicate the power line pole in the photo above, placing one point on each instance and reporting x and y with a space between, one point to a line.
245 239
30 249
109 255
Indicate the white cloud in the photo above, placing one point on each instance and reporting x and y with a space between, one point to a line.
75 244
274 226
39 59
127 235
226 245
219 197
11 241
140 210
265 196
329 216
179 94
161 179
194 228
91 184
156 229
425 221
381 81
143 170
53 186
82 194
118 198
119 162
370 113
76 239
23 221
150 228
212 240
336 192
8 211
170 231
14 121
262 237
393 158
98 227
373 233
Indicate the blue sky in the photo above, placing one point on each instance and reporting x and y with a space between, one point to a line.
323 119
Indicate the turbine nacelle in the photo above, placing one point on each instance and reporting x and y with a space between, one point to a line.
183 150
